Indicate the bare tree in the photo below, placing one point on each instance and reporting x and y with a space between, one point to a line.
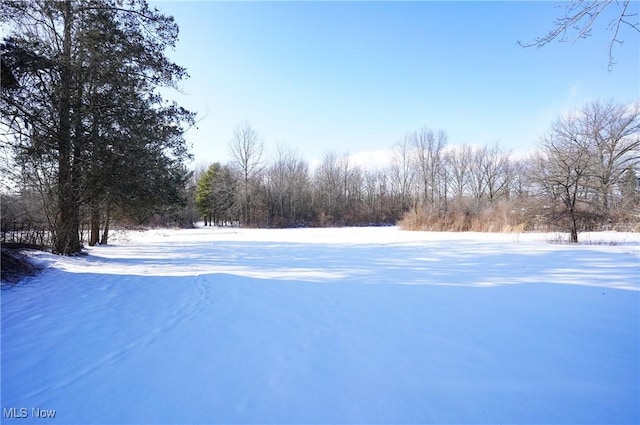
224 192
497 172
328 185
352 182
246 149
613 130
459 164
429 148
561 169
402 174
477 172
518 181
486 171
371 196
581 15
288 189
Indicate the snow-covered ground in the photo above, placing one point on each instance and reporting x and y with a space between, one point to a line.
353 325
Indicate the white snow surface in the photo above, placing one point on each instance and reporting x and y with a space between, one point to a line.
347 325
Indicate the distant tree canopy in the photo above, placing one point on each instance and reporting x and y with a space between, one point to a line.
83 118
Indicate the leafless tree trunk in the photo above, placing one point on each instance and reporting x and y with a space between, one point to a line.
332 185
428 150
246 149
477 173
371 196
459 162
352 182
497 172
403 174
288 189
562 169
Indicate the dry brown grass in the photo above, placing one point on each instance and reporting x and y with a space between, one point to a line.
462 217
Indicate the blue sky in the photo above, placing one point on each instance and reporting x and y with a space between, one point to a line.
355 76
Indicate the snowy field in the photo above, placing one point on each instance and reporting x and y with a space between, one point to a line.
353 325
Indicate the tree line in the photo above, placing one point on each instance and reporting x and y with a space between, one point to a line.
584 175
87 140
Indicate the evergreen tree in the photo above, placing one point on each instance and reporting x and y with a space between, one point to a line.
84 104
215 195
204 193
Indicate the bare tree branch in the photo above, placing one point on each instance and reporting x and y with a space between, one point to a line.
579 18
